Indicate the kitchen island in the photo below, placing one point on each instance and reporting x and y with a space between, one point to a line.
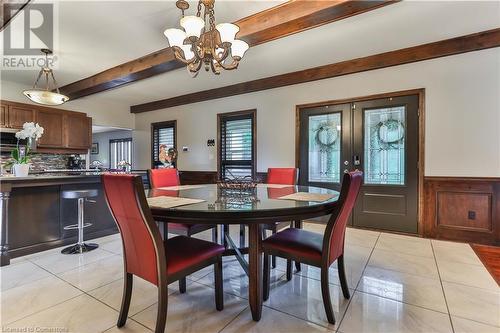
34 214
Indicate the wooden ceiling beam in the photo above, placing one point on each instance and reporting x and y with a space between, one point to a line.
448 47
9 9
280 21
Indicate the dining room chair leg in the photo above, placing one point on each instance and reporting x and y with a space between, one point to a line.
182 285
161 314
342 277
288 269
127 294
224 233
298 225
219 285
325 293
274 257
266 278
215 236
242 236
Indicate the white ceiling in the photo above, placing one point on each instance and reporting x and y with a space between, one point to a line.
98 35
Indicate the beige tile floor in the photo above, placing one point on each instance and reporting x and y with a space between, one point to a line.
398 284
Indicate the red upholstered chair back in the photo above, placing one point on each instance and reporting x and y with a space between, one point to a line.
335 231
163 177
285 176
142 242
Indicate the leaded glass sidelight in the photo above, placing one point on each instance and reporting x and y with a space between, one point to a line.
385 145
324 148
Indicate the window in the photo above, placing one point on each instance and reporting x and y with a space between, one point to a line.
120 150
236 147
163 136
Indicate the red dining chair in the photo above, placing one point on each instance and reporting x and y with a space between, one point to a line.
282 176
167 177
147 255
315 249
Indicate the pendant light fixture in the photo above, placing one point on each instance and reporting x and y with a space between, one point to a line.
202 42
46 96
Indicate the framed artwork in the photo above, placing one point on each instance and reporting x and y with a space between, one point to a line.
95 148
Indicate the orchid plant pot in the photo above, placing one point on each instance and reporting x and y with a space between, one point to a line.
20 156
21 170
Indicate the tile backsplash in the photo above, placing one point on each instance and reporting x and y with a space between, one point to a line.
39 162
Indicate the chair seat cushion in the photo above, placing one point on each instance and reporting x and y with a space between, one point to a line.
183 252
296 242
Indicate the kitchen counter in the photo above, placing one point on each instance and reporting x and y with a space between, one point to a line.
34 214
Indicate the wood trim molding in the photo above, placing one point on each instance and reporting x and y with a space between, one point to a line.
468 43
449 201
276 22
8 11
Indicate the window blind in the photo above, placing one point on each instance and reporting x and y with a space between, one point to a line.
120 150
163 134
237 158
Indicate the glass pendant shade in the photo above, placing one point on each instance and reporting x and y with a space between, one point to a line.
175 37
227 31
192 25
45 97
188 54
238 48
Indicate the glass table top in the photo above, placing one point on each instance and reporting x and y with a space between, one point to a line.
264 197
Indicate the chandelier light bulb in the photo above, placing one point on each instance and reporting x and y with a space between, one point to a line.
227 31
188 54
192 25
175 37
238 48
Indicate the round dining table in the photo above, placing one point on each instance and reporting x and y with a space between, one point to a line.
253 207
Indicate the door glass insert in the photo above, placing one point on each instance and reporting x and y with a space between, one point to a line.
385 145
324 148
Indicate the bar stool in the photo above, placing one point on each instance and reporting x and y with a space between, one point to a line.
82 196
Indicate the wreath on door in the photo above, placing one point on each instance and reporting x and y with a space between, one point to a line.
326 136
390 132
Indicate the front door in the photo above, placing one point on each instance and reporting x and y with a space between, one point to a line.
378 137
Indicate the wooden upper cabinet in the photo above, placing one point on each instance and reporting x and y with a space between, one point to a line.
77 131
52 122
4 116
14 116
20 115
64 131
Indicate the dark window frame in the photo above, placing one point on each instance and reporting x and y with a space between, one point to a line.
244 114
111 141
157 126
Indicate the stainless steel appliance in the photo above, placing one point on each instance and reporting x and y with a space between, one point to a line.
8 140
76 162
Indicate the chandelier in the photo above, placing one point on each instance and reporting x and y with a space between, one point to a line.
46 96
201 42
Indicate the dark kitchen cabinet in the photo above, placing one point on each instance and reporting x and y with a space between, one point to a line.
64 131
52 122
4 116
14 116
77 131
19 115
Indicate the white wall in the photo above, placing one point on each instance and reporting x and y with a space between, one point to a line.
103 140
462 106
